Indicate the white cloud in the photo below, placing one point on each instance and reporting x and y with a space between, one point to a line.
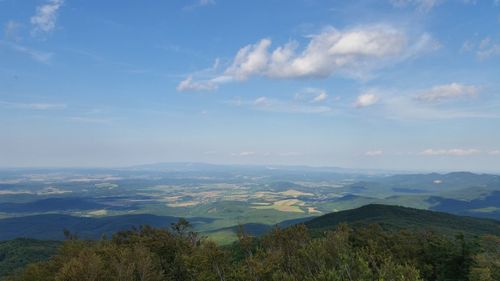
401 104
244 153
312 95
206 2
450 152
467 46
320 97
11 30
278 154
494 152
45 18
189 85
91 120
354 52
447 92
403 107
372 153
366 99
280 105
487 48
262 102
45 106
290 154
34 106
250 60
39 56
199 4
328 52
423 5
276 105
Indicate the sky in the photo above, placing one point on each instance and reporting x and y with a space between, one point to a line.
387 84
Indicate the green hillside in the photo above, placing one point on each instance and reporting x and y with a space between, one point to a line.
17 253
291 253
50 227
396 217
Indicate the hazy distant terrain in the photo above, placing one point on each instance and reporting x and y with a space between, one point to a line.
218 198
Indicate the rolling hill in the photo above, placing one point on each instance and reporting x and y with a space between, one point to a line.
50 227
396 217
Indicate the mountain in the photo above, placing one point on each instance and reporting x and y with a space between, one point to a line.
257 229
50 227
396 217
51 205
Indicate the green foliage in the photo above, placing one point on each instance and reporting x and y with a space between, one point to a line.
397 218
486 263
18 253
341 254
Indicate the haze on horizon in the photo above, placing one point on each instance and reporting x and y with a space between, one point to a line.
391 84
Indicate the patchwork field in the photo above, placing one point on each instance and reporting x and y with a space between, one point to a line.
234 196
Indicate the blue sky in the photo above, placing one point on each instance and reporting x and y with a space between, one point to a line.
396 84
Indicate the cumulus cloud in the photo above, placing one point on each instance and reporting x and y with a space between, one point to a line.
328 52
352 51
447 92
366 99
450 152
45 18
372 153
250 60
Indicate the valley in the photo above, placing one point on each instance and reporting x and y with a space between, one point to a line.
218 198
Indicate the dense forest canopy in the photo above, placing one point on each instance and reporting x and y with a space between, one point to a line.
344 253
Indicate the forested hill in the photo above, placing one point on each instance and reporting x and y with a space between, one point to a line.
402 248
396 217
340 254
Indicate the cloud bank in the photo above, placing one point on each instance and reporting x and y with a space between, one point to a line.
353 52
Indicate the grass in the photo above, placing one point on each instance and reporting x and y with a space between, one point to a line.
287 205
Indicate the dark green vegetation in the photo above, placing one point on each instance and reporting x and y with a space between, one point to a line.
343 253
397 218
17 253
49 227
